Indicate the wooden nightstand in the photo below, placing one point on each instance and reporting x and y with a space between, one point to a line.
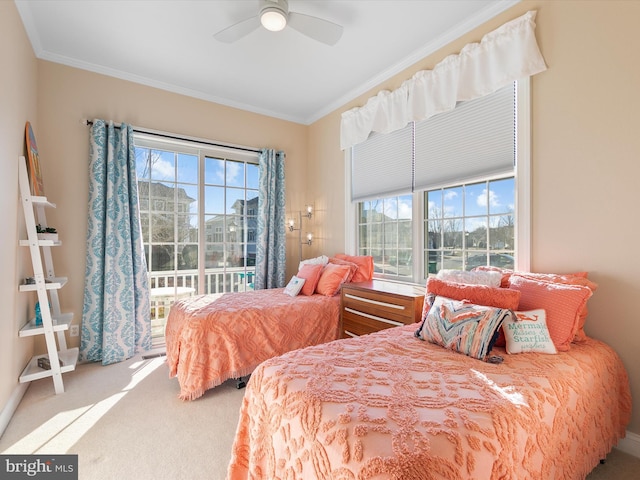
371 306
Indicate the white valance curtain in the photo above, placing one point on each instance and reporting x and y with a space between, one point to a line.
502 56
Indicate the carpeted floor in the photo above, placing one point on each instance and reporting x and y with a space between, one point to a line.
125 421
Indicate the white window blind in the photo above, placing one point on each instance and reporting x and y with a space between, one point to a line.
382 166
474 140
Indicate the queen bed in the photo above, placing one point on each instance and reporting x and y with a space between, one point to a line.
390 405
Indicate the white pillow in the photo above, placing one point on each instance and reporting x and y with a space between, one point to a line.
528 332
490 278
294 286
321 260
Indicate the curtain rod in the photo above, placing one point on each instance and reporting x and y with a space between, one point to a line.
178 137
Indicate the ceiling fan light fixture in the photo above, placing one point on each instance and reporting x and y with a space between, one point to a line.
273 19
274 15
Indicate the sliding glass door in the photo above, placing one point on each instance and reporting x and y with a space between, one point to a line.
198 210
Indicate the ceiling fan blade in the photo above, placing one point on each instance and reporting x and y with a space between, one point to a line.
316 28
238 30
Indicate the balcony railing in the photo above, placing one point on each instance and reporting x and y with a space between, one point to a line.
166 287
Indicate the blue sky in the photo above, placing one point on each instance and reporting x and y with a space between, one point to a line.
169 167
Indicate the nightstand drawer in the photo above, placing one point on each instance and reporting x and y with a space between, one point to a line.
367 307
372 303
355 323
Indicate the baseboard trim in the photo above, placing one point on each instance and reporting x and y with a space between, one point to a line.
11 406
630 444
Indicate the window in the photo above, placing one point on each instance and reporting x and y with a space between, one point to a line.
470 225
196 234
469 205
384 231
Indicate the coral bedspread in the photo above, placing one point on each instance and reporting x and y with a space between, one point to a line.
213 338
388 405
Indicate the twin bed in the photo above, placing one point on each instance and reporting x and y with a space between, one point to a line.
211 339
389 404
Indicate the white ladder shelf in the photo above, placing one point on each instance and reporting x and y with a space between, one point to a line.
54 322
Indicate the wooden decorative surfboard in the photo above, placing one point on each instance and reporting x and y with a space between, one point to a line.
35 174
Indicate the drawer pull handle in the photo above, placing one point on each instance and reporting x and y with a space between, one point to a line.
373 317
351 334
375 302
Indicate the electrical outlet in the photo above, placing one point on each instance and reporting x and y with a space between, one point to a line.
74 331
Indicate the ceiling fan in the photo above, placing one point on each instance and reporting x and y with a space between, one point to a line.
274 15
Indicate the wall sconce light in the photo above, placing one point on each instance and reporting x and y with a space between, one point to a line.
309 211
291 224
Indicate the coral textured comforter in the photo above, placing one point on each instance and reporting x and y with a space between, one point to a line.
388 405
212 338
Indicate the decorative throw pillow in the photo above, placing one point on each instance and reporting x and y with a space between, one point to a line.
489 278
563 304
321 260
294 286
331 278
578 278
505 272
528 332
462 326
478 294
364 263
311 274
353 268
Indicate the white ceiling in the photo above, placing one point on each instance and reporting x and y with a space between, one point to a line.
169 44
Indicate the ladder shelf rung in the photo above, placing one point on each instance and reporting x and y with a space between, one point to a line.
53 283
42 202
60 323
33 372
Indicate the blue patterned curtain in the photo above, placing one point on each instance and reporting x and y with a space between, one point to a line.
116 320
271 248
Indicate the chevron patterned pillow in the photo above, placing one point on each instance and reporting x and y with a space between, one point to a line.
462 326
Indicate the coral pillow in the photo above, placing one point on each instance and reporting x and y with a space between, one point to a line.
331 278
462 326
579 278
353 268
364 263
563 304
311 274
528 332
478 294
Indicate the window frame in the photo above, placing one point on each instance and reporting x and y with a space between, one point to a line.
522 181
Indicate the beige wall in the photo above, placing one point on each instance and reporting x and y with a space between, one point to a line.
67 95
585 157
584 149
18 103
